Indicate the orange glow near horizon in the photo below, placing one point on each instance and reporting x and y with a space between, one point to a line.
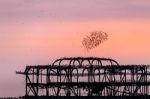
65 39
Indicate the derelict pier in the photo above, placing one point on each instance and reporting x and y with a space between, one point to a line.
86 77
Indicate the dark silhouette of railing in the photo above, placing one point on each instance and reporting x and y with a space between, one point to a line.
86 76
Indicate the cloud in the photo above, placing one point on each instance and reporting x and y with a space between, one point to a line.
73 9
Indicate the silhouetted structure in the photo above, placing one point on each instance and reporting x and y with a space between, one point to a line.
88 77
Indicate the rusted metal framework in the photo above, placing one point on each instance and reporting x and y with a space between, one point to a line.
89 76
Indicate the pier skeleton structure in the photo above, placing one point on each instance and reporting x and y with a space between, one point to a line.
86 77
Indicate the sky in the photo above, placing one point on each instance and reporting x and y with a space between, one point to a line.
34 32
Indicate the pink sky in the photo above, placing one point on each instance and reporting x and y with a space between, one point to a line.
40 31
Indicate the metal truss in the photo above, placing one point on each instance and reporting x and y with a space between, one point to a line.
89 76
